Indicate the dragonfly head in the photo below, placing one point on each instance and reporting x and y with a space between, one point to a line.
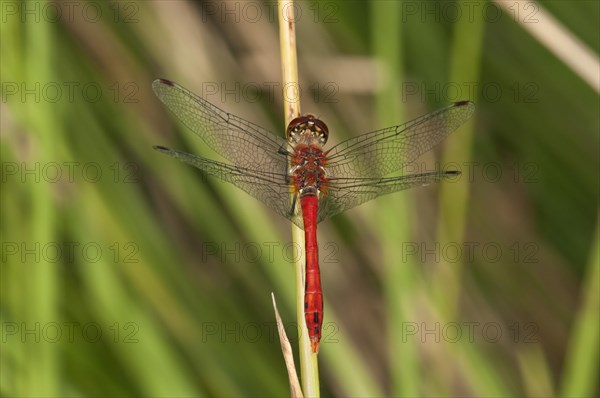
307 129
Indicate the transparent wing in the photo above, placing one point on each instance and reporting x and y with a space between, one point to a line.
241 142
382 152
345 193
354 167
271 188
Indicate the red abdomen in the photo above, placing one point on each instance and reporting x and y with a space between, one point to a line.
313 295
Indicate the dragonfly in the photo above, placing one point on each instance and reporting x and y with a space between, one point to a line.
298 179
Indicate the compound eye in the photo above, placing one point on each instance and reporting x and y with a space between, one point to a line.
308 121
294 124
324 131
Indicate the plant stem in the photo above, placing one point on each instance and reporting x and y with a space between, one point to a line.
287 39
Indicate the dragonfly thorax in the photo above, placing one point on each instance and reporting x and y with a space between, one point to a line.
307 130
307 173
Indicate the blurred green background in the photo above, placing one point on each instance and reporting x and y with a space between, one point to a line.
127 273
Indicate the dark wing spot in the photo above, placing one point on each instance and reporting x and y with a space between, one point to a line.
167 82
461 103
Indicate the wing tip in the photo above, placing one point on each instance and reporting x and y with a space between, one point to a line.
158 84
467 106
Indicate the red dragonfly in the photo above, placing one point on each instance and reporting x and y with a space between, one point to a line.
323 183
